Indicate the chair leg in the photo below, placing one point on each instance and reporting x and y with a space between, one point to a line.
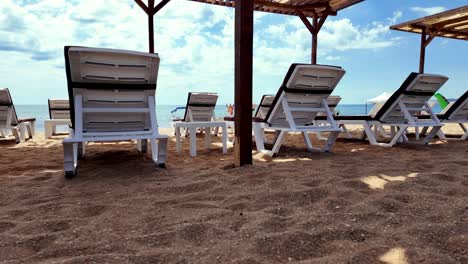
465 136
2 133
398 136
32 128
142 145
48 129
441 134
70 158
224 138
193 141
258 135
370 136
159 151
331 141
178 135
278 143
307 141
431 134
346 131
207 137
463 127
81 148
423 131
16 134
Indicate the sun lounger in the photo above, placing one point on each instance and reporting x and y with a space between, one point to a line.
400 110
9 120
59 114
199 113
300 99
455 112
112 98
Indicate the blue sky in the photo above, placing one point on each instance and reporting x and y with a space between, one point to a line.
195 43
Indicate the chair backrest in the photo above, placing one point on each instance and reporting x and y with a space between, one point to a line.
376 108
121 80
200 107
8 115
264 106
457 110
305 87
415 91
59 109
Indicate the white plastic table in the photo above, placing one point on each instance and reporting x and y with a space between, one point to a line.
192 127
51 124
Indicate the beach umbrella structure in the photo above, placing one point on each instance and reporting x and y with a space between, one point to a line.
383 97
312 13
449 24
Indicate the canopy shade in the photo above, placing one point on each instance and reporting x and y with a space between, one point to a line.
309 8
448 24
383 97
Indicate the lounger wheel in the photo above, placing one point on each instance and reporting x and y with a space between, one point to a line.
162 165
70 174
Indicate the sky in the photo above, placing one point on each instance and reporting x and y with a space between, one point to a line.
196 45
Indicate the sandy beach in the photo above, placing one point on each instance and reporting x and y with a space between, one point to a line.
359 204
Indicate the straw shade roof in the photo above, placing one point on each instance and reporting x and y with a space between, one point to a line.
310 8
448 24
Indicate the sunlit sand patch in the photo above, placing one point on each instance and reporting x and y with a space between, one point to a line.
395 256
374 182
48 171
260 156
379 182
284 160
358 149
393 178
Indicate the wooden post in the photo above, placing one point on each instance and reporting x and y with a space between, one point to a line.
243 81
422 55
314 40
151 25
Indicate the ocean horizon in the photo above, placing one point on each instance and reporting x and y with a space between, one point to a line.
164 115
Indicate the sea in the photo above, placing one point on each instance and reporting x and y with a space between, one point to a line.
164 115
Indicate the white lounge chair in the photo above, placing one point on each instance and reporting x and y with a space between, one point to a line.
199 113
112 98
59 114
260 112
301 97
400 110
9 120
456 112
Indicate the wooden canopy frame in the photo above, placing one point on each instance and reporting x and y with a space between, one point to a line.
318 10
449 24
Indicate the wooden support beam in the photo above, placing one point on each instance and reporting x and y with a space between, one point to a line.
314 41
160 6
306 22
428 40
321 21
243 32
422 54
302 7
151 25
142 5
314 29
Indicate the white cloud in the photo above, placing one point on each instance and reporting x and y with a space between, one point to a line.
332 58
427 11
195 42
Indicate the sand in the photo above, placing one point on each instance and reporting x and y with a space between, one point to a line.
359 204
